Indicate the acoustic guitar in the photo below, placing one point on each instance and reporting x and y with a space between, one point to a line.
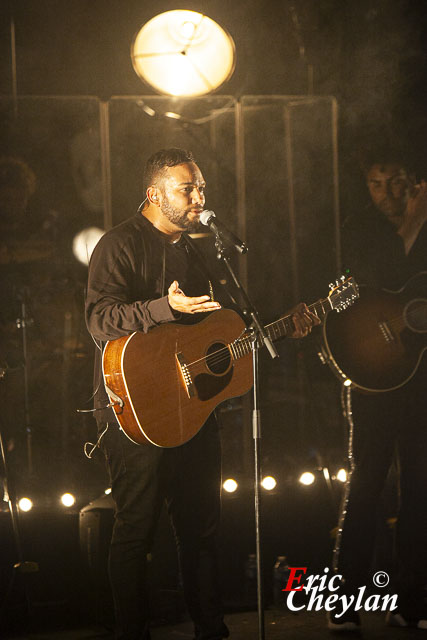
378 345
164 384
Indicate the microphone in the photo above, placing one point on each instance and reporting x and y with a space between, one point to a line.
209 219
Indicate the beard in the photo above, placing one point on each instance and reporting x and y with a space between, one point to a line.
179 217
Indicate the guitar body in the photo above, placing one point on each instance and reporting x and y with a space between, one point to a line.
172 378
164 384
379 342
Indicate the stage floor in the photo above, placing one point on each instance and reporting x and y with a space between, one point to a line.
244 626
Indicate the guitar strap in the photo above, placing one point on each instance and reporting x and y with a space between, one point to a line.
201 263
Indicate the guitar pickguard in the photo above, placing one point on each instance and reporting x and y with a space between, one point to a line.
209 386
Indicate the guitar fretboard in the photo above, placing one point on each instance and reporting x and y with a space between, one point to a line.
278 329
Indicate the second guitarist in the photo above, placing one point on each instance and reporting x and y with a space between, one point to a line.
384 245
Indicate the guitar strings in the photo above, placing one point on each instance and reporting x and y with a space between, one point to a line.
399 319
224 353
215 357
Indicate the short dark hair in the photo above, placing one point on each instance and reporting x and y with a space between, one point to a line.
382 154
156 164
16 173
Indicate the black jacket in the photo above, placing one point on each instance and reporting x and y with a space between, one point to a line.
130 272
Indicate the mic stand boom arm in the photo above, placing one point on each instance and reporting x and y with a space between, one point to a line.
249 312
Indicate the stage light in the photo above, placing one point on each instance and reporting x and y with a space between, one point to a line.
269 483
107 491
307 478
25 504
342 475
183 53
230 485
85 242
347 382
68 499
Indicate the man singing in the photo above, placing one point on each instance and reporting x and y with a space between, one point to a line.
142 274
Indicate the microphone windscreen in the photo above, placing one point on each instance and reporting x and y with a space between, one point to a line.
205 216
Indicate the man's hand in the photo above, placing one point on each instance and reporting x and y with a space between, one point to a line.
304 320
415 215
416 207
179 301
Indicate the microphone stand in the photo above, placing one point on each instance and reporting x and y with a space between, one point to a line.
259 338
23 323
22 567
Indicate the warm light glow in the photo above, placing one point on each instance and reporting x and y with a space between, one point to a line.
347 382
172 115
183 53
85 242
307 478
68 499
269 483
230 485
326 474
107 491
25 504
188 30
342 475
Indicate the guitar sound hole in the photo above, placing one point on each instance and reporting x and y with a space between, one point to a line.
218 358
416 315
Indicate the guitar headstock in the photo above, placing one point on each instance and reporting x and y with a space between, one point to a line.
343 293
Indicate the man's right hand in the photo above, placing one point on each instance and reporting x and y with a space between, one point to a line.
415 215
180 302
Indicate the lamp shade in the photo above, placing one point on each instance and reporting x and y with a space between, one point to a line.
183 53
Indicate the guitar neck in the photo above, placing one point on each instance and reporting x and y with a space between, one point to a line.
284 327
281 328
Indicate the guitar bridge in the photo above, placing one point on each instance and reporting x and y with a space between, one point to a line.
386 332
185 374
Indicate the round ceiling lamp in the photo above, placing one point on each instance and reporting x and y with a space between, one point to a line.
183 53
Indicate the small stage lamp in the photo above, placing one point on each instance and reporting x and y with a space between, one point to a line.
85 242
230 485
68 499
269 483
342 475
307 478
25 504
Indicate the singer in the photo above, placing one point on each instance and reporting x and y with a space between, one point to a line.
144 273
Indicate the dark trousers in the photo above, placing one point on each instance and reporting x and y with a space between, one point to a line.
188 479
385 424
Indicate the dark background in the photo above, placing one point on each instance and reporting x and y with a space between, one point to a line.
371 56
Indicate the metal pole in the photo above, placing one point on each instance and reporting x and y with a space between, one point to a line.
256 427
336 183
291 204
23 323
104 126
13 66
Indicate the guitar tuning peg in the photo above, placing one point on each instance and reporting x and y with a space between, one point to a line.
337 283
342 278
331 285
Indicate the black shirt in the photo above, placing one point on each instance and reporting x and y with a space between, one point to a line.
130 272
375 253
